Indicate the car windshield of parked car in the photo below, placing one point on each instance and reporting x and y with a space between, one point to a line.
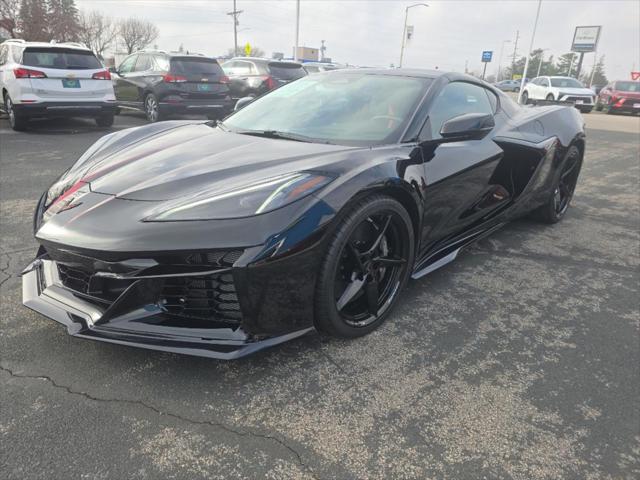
566 83
67 59
344 108
628 86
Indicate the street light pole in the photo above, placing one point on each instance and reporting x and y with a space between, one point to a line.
498 74
541 60
404 30
295 49
526 63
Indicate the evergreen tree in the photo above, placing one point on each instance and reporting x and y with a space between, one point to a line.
33 21
63 20
564 62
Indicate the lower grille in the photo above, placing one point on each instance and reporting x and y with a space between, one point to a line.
95 289
73 278
212 297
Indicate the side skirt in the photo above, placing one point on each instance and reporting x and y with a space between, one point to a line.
448 254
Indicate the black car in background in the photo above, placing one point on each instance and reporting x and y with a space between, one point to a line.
163 84
251 77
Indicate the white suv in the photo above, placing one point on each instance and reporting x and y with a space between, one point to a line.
559 89
54 80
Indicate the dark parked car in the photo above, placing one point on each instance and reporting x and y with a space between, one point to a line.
310 208
251 77
620 96
162 84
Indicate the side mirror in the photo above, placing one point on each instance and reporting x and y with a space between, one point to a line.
113 70
470 126
243 102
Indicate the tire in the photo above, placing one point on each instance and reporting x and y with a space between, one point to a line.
152 108
17 122
525 98
355 293
550 98
517 89
104 121
558 202
586 110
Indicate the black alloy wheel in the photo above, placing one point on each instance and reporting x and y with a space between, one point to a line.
556 207
368 263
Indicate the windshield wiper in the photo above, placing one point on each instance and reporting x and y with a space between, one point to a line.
276 134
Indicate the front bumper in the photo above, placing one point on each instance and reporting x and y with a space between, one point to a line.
135 318
65 109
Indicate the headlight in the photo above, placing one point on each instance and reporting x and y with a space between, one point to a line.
260 197
70 198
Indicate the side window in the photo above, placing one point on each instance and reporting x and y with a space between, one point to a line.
162 63
127 65
3 54
536 81
493 100
242 68
456 98
143 64
545 82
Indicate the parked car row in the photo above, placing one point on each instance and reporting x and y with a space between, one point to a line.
67 80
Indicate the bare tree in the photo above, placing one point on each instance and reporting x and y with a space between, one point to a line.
9 16
97 31
136 34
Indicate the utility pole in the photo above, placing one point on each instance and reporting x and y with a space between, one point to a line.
404 30
295 48
526 63
235 14
515 52
499 73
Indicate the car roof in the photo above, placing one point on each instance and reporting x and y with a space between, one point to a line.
67 45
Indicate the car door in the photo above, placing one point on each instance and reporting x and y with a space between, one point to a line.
457 173
123 85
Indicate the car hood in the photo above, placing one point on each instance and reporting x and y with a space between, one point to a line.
623 94
182 158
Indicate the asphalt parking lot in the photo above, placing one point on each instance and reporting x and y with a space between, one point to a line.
520 360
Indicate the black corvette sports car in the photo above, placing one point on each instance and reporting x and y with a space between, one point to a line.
310 208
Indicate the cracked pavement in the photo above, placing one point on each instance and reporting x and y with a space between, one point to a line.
518 361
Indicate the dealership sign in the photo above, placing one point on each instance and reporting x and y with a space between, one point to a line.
585 39
486 56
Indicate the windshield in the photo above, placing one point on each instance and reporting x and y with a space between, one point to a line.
344 108
566 83
628 86
67 59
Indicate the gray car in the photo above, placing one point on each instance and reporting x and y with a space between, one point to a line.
508 85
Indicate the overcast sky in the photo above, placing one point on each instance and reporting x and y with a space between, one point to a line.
369 32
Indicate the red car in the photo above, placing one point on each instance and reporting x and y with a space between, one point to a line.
620 96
